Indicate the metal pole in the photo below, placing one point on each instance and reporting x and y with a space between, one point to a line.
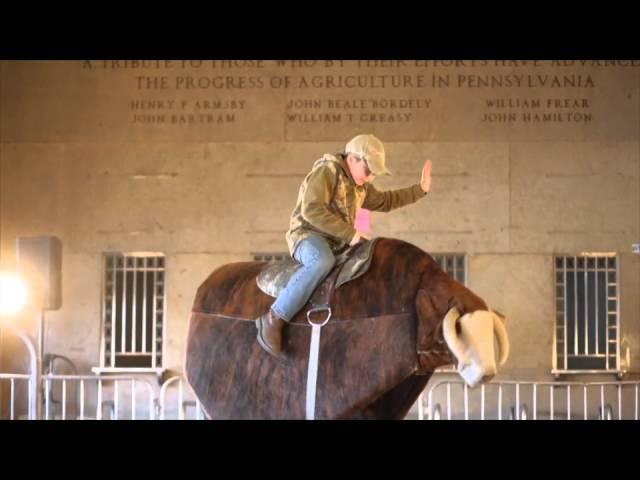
39 365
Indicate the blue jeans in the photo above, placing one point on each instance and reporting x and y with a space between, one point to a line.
317 260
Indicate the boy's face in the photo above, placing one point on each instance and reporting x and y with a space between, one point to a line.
359 170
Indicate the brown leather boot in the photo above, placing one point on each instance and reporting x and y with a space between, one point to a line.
270 332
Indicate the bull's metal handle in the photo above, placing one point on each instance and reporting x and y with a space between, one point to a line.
316 310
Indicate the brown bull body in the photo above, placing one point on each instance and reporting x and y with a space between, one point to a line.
376 353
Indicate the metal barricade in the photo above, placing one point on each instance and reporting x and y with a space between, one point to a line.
536 400
15 380
122 396
183 399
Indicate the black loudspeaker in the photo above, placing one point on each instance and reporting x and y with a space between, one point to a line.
40 264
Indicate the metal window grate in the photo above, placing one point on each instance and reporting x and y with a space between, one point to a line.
455 264
587 314
133 310
270 257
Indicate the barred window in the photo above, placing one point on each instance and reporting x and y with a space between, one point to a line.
270 257
587 314
455 264
133 311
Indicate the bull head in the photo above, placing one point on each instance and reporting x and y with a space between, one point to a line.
473 347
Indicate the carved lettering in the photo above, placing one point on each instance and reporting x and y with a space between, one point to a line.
364 92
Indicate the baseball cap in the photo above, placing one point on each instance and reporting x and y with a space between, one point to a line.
370 148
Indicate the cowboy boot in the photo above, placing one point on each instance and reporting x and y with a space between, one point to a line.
270 332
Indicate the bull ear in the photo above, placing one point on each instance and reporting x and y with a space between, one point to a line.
501 335
451 336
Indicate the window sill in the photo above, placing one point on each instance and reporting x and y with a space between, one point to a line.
619 373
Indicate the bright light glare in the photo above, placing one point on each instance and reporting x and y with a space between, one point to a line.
13 294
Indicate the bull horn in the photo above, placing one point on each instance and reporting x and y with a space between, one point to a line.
450 335
501 335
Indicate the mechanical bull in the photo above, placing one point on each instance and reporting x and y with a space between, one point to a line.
383 333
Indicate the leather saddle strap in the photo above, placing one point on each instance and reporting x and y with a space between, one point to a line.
253 320
322 295
314 355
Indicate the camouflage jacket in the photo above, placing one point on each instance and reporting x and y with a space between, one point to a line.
329 199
